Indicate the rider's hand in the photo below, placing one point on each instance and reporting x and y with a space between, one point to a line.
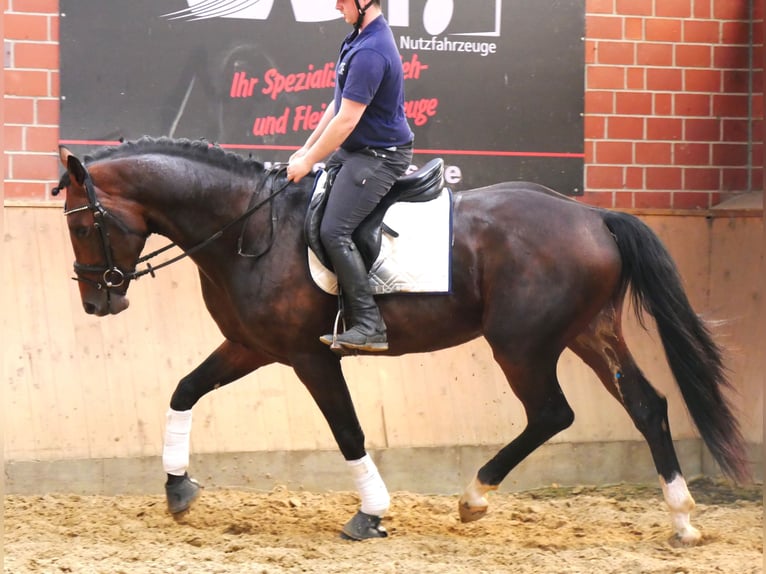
297 168
300 152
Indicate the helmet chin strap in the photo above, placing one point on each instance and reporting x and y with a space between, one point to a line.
362 12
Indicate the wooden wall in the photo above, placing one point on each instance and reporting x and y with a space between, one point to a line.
79 387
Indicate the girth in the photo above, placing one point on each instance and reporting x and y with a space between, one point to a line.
422 185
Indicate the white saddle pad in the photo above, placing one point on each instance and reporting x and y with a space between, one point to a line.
417 261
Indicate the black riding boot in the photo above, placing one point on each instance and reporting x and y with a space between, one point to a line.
367 331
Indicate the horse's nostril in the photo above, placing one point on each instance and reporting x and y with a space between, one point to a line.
90 308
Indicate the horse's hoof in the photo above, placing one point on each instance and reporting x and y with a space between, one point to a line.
470 513
689 537
181 494
362 527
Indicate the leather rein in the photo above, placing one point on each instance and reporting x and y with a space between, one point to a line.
112 276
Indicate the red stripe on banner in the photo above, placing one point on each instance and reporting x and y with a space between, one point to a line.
488 153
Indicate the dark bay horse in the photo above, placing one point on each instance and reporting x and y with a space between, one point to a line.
533 272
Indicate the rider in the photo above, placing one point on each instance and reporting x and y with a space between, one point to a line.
366 130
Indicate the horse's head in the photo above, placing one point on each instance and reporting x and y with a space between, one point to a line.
107 234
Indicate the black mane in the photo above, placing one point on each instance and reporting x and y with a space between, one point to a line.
196 150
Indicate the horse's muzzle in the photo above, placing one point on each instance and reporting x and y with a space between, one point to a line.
107 304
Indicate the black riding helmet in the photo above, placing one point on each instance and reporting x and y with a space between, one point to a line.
362 11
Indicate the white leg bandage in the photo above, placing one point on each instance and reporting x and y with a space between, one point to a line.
175 452
681 504
372 490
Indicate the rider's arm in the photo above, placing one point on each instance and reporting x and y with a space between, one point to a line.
338 128
336 131
328 115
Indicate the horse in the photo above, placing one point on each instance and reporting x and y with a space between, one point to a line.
533 272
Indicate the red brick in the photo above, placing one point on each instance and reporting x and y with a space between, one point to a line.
48 112
693 56
692 104
634 7
654 153
730 10
19 110
55 87
731 57
634 29
590 152
35 166
664 128
731 106
664 79
26 83
603 177
702 9
691 154
737 33
654 54
625 128
702 32
26 26
599 102
664 178
13 138
37 6
663 30
623 199
597 198
619 53
632 103
40 56
735 131
590 51
663 104
653 200
734 179
41 139
614 152
634 177
702 80
600 7
691 200
27 189
730 154
606 77
756 179
603 27
674 9
702 130
756 155
594 127
635 78
702 178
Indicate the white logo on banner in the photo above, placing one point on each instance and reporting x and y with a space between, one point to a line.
437 14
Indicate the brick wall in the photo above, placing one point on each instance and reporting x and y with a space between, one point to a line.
670 119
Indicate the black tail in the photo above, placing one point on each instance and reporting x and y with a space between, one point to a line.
694 358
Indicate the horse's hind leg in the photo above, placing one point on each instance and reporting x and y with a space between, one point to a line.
603 348
535 384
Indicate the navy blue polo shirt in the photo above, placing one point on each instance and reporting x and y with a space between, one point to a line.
369 71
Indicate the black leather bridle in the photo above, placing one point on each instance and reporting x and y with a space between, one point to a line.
112 276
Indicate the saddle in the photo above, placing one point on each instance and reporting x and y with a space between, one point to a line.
420 186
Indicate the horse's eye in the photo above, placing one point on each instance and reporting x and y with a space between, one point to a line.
81 231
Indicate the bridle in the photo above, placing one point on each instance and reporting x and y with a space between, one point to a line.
112 277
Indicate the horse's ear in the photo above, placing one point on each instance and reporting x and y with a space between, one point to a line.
75 168
64 154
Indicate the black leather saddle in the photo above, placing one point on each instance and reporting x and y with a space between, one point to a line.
422 185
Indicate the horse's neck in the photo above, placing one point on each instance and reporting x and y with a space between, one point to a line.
188 206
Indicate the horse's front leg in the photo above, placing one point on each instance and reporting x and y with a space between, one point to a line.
227 363
322 375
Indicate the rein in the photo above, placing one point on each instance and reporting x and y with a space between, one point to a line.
113 276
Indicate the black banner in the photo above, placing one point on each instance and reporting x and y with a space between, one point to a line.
495 87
